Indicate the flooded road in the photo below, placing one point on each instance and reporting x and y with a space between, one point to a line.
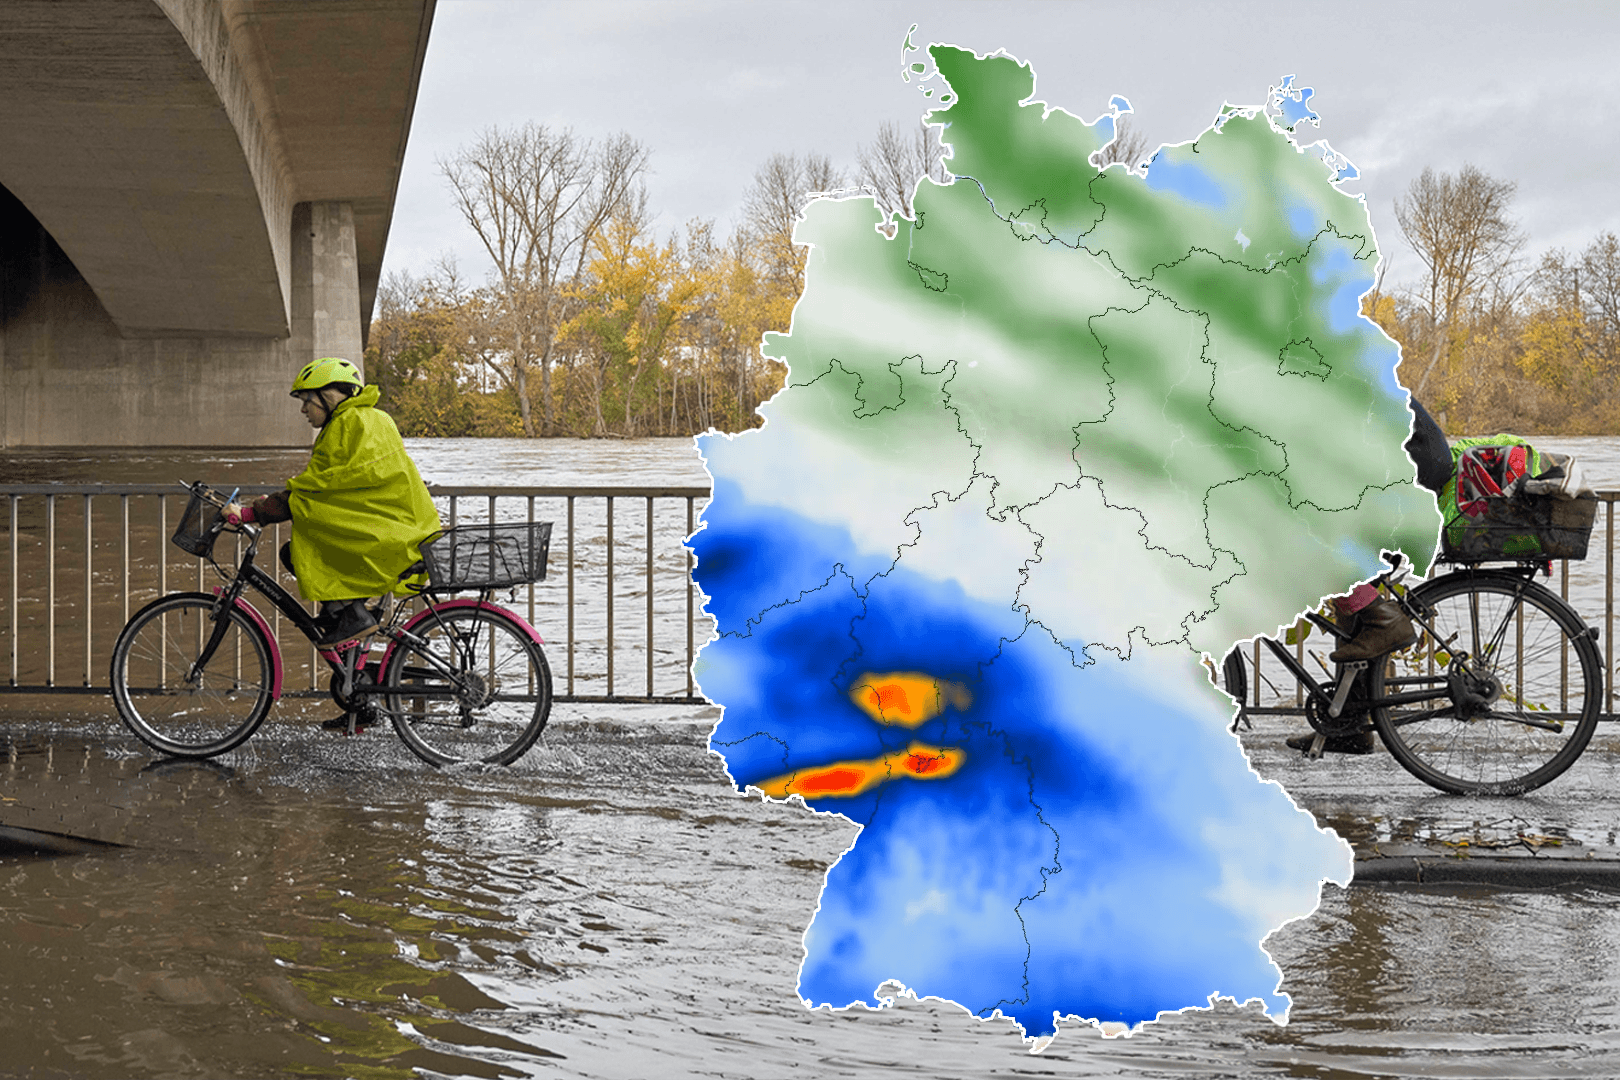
323 906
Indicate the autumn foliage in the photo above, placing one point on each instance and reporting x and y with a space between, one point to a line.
1488 342
590 324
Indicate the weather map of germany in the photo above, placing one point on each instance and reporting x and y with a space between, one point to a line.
1041 449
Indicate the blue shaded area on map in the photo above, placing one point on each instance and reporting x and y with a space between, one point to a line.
1294 103
1187 180
1379 356
806 554
1295 111
1303 222
1033 880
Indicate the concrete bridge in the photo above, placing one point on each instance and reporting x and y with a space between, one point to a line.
195 196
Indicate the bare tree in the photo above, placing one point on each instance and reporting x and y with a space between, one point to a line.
772 205
1460 229
1128 146
1589 285
777 198
894 162
1600 275
536 198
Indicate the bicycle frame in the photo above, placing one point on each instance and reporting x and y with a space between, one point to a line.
1322 695
348 662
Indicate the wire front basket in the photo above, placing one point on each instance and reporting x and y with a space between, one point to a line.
491 556
198 526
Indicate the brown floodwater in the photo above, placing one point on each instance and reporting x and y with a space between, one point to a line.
319 906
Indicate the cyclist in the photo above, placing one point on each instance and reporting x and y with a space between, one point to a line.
358 510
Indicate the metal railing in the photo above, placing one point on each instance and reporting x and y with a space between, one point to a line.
1271 690
80 558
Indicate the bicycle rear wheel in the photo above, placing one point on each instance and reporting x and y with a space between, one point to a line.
195 718
1534 677
477 688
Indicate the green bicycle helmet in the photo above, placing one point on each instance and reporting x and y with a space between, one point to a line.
325 372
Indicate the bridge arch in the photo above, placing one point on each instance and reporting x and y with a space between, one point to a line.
200 193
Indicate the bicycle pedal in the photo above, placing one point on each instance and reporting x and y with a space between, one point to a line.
1317 744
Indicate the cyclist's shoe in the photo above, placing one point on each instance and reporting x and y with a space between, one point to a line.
1381 627
362 721
350 622
1359 743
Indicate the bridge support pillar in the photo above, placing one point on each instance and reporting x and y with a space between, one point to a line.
325 284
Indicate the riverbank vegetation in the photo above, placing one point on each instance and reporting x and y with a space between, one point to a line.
589 324
1491 341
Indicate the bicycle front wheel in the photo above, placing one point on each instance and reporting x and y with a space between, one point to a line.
156 694
475 687
1521 711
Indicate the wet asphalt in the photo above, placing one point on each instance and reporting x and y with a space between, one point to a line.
1405 832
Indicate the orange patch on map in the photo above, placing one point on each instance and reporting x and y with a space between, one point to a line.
844 779
907 698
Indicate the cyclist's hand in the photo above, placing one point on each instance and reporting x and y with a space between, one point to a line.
235 513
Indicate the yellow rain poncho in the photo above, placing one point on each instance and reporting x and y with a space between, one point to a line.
359 508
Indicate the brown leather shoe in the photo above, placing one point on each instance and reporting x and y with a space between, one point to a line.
1381 627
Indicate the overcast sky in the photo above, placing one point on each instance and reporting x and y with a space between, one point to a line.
1526 92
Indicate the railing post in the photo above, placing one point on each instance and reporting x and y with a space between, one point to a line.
1563 642
610 596
50 590
1257 673
689 596
123 550
1608 614
649 596
89 587
570 596
531 584
163 577
13 537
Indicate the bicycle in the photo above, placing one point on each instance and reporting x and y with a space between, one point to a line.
1484 703
194 674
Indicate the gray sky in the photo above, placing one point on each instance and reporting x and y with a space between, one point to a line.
1526 92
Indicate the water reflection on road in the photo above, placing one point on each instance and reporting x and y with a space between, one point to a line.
609 908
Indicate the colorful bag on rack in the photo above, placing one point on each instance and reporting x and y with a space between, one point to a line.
1506 500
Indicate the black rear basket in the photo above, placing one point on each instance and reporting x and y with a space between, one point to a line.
1521 527
198 527
487 556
